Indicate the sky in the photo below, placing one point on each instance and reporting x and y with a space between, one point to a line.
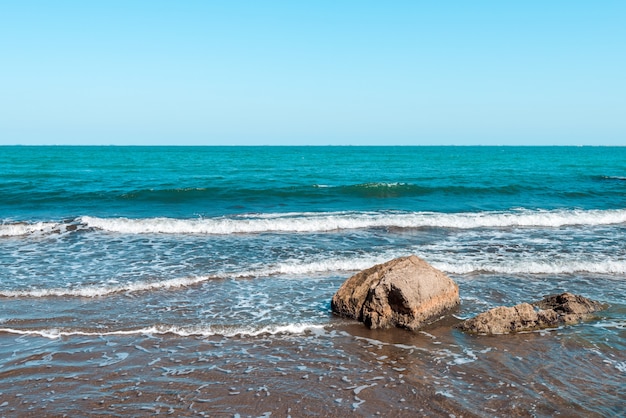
313 72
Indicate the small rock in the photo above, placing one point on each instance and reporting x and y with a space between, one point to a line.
552 311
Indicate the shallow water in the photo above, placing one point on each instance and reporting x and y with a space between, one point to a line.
129 366
341 370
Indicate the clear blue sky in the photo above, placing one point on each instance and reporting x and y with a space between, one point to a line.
313 72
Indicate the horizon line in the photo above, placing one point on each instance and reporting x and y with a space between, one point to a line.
312 145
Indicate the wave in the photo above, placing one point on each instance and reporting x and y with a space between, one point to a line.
333 265
335 221
23 228
517 267
382 190
311 222
201 331
614 178
280 269
185 194
561 267
344 266
399 189
379 189
100 291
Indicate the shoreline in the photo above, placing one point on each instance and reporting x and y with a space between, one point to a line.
348 370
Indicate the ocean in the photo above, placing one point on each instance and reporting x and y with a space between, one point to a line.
196 281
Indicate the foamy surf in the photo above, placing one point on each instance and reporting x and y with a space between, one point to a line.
101 291
333 221
556 267
192 331
345 266
313 222
22 228
287 269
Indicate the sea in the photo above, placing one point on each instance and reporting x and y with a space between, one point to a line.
196 281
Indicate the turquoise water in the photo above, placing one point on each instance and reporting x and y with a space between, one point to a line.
44 183
241 243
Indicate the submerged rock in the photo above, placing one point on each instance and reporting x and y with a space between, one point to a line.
552 311
406 292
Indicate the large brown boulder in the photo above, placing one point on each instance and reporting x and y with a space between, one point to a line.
552 311
405 292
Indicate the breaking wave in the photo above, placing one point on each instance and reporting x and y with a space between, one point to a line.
23 228
341 266
95 291
557 267
333 221
311 222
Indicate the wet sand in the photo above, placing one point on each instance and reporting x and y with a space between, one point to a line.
345 370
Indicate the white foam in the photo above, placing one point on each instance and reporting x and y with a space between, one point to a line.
339 265
22 228
468 356
54 333
447 394
199 331
326 221
294 268
332 221
618 324
108 361
99 291
359 389
555 267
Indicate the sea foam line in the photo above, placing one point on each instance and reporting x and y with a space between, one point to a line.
100 291
556 267
23 228
333 221
321 222
349 265
279 269
195 331
344 266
